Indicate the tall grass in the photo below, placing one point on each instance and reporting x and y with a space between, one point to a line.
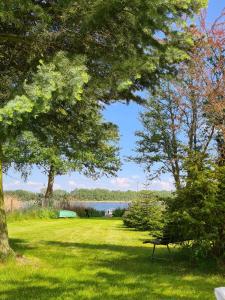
33 213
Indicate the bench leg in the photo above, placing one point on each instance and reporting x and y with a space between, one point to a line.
171 257
153 251
168 249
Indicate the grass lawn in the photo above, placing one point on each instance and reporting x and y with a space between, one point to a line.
96 259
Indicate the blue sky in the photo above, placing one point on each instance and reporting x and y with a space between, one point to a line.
131 176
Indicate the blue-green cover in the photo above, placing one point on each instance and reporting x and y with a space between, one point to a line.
67 214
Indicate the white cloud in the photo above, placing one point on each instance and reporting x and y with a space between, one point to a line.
57 186
135 177
16 182
121 182
12 184
34 184
159 184
72 183
133 182
30 185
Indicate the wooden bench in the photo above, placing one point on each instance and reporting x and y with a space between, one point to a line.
165 240
158 241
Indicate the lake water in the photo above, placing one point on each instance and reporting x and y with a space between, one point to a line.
101 205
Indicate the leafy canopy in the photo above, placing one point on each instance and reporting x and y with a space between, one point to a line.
37 97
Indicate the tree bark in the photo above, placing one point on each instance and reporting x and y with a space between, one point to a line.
193 125
5 250
49 190
174 147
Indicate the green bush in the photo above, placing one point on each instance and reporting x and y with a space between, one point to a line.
33 213
88 212
145 214
198 210
118 212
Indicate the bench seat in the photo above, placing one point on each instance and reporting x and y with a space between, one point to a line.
158 241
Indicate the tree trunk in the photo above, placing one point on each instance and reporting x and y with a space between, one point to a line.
177 180
174 145
5 250
49 191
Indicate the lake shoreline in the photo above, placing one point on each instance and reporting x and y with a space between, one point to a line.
101 201
101 205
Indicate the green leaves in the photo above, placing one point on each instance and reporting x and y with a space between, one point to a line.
124 85
118 38
63 76
198 210
145 213
14 110
60 128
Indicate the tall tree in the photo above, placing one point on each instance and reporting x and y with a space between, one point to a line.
36 99
174 126
84 143
71 136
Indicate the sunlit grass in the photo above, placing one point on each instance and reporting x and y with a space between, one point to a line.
97 259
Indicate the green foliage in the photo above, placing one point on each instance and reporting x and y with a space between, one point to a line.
118 212
198 210
71 135
219 213
174 124
37 96
118 38
146 213
108 195
58 197
33 213
59 194
88 212
159 148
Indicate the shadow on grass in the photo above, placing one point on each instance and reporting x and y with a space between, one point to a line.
121 272
176 256
47 287
20 245
140 253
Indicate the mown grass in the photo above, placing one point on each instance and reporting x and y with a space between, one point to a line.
97 259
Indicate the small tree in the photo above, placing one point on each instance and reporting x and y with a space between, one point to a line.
145 213
197 211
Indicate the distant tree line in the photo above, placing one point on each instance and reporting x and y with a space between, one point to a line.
108 195
86 195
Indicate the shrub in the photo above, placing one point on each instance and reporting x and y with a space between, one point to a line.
88 212
118 212
34 213
198 210
145 214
